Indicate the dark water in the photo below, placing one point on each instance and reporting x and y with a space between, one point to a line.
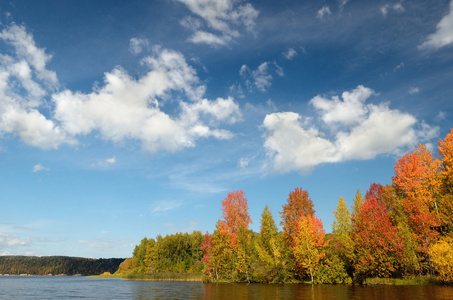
15 287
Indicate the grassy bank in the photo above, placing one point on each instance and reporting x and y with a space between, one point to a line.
417 280
166 277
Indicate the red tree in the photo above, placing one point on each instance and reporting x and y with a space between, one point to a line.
378 246
298 204
235 216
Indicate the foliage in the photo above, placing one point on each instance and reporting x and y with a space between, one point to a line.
442 257
298 204
378 248
309 245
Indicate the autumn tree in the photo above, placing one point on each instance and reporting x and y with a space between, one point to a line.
445 150
298 204
442 257
417 185
235 216
378 248
309 244
208 258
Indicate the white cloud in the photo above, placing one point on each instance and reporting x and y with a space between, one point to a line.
122 108
39 167
136 45
24 82
444 33
12 240
107 162
290 54
127 108
397 7
27 50
350 110
221 21
244 162
343 3
368 130
203 37
324 11
261 78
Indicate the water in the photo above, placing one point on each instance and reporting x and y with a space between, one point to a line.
26 288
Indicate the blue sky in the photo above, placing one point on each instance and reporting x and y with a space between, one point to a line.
127 119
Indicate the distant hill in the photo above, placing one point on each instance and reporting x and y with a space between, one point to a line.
56 265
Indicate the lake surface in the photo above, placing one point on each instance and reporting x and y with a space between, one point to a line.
35 287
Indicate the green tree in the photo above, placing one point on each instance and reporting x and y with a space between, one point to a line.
341 231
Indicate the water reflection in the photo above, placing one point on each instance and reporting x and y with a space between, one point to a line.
318 292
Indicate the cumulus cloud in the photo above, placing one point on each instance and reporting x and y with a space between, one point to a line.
366 131
122 108
218 22
443 35
262 77
127 108
24 82
347 111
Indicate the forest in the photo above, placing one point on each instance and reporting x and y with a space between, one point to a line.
57 265
400 230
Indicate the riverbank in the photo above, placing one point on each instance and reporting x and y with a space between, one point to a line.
196 277
416 280
156 277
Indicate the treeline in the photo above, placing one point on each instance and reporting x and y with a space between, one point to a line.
177 253
400 230
56 265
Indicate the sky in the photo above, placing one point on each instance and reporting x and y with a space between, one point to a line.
121 120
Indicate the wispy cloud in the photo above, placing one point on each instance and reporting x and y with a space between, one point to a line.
137 46
166 205
324 11
290 54
262 77
396 7
217 23
107 162
443 35
12 241
39 167
98 244
414 90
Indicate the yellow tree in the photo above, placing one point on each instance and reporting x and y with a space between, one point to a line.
309 247
442 257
